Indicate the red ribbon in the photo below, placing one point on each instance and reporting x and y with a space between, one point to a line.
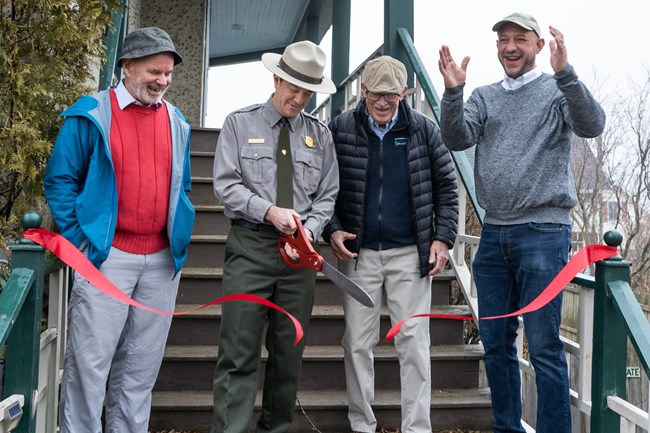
583 258
72 257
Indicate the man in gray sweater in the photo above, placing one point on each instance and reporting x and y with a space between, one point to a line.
522 127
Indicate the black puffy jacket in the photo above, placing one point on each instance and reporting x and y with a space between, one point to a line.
432 179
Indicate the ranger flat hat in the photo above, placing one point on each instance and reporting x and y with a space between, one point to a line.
301 64
145 42
526 21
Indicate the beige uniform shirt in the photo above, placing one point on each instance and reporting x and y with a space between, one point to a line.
245 166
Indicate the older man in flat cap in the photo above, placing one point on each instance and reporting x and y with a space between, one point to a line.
273 161
395 219
117 184
522 127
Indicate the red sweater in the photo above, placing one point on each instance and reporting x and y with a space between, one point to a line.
141 151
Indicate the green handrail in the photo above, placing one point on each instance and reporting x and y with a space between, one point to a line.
21 309
13 298
636 324
464 168
617 316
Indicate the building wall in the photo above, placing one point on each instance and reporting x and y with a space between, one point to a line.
186 22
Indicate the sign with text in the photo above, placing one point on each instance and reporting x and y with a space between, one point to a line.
633 372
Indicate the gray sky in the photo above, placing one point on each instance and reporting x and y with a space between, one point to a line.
606 40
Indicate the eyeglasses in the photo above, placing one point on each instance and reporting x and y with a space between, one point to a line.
388 97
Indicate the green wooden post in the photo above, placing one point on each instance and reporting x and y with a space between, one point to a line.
340 52
114 36
610 342
397 14
312 35
23 343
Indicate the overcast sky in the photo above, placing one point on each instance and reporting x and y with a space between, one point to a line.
608 40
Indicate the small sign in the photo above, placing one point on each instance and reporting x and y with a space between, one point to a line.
633 372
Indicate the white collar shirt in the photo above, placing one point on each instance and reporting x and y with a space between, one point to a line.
511 84
124 98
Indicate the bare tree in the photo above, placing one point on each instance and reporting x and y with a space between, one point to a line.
612 176
633 184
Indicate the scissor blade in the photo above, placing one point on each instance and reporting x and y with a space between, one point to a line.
346 284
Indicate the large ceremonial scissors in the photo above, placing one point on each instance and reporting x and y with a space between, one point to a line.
307 256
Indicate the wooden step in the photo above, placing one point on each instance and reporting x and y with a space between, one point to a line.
452 366
201 327
202 164
200 285
210 220
204 139
208 250
326 410
203 191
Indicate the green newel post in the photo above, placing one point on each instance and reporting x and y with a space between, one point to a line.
340 52
610 342
312 35
399 14
114 39
23 343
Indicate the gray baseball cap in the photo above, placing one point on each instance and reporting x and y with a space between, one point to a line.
526 21
145 42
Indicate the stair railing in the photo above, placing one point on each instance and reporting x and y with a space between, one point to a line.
33 357
617 317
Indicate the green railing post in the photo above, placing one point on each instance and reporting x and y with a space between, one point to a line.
312 35
340 53
23 343
398 13
114 37
610 342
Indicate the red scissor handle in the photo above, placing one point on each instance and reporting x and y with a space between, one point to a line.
307 256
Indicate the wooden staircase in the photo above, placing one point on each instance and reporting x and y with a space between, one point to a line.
182 397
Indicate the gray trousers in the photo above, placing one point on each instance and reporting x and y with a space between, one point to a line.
393 272
114 346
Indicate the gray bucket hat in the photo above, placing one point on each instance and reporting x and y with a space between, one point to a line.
147 42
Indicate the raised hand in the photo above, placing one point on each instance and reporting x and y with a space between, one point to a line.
452 74
559 56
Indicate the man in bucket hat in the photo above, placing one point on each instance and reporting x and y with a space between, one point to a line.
117 184
272 161
522 127
395 219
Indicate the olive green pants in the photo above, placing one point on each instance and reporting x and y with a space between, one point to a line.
254 266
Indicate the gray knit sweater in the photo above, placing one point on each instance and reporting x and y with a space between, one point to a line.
523 144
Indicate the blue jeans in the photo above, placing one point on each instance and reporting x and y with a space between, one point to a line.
512 267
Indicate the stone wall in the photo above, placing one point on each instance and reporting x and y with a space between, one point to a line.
186 23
